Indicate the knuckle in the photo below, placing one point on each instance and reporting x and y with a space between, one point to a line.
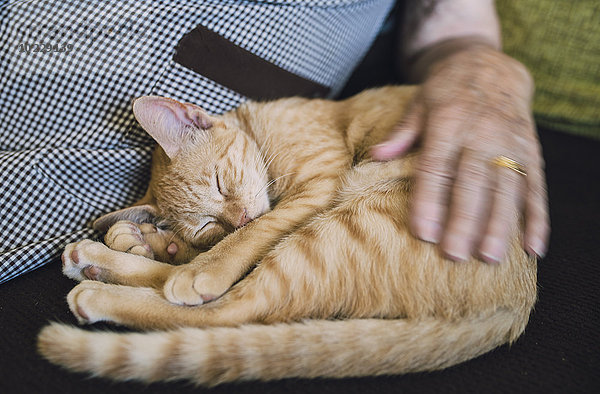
536 163
464 212
463 218
432 164
508 193
538 193
473 171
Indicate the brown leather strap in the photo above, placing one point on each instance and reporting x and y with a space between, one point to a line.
215 57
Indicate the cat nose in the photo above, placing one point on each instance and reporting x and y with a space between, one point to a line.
244 219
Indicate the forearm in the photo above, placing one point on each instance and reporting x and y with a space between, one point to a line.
434 29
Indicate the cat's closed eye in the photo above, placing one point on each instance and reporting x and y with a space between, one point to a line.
205 226
220 186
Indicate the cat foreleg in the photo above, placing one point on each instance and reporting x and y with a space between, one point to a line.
211 274
141 307
146 308
93 260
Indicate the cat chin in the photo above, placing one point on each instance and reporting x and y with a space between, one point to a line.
264 207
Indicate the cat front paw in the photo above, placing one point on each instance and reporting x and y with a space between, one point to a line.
128 237
91 302
147 240
192 285
80 260
81 300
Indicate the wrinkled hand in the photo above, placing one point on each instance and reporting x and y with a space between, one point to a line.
474 106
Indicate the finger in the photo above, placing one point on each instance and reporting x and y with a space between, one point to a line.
537 221
434 175
469 200
403 135
507 195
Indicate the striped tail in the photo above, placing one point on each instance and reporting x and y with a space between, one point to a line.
309 349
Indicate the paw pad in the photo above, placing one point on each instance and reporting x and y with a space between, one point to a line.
75 256
92 272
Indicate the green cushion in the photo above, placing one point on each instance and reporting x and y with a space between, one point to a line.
559 40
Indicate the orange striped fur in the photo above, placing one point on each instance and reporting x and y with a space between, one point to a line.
324 281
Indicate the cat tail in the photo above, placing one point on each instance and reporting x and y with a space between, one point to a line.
308 349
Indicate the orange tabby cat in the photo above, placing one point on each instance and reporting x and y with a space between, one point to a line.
334 249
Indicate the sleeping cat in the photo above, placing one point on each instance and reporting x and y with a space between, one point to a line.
284 252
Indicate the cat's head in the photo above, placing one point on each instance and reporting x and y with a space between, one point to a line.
208 177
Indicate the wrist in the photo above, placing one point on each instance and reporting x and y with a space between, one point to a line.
417 67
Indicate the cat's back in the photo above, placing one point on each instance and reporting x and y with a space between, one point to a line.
313 135
372 217
382 107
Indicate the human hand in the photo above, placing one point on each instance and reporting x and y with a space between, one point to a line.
473 107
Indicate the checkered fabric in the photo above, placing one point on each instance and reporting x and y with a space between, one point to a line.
70 149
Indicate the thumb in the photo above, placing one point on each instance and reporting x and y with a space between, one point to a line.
402 137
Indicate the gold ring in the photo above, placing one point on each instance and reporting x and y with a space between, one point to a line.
509 163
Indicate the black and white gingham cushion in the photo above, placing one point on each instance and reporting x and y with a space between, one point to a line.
70 149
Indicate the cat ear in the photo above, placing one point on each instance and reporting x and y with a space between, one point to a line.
170 122
137 214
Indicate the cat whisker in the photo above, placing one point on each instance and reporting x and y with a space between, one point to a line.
268 162
272 181
175 232
265 147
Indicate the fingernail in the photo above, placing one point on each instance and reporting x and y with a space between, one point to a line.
456 248
389 149
382 151
492 249
428 230
538 247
